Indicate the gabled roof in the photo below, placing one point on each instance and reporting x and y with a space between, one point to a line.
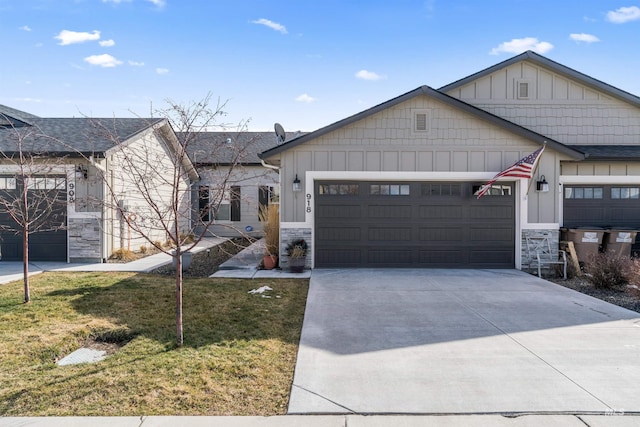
453 102
223 148
73 136
11 117
553 66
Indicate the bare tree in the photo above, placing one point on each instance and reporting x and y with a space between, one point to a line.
32 189
150 188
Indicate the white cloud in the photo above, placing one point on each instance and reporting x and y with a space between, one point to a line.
67 37
107 43
273 25
136 63
159 3
162 71
305 98
521 45
368 75
623 14
582 37
25 28
105 60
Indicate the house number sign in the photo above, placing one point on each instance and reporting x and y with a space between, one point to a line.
308 203
72 192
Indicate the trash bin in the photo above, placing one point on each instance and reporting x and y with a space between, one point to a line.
618 242
186 260
586 240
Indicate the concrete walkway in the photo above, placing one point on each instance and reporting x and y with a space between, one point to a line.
12 270
612 420
462 342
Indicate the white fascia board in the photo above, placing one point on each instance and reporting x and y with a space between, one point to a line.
599 179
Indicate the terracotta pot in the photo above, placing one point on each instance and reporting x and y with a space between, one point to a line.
270 262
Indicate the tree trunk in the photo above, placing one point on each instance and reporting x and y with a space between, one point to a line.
179 331
25 266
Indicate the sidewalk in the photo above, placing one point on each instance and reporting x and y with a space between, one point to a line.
333 421
12 270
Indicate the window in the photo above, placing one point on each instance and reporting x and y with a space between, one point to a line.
444 189
523 89
495 190
583 193
389 190
421 121
338 189
625 192
267 195
228 208
7 183
46 183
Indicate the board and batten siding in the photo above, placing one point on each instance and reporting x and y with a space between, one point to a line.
561 108
455 142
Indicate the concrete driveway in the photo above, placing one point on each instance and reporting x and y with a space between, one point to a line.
462 341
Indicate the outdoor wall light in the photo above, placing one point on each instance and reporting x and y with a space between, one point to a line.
542 185
81 172
296 184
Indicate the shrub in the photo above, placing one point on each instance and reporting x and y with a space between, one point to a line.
143 249
270 218
123 254
609 271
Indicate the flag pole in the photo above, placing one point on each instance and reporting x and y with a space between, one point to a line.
535 169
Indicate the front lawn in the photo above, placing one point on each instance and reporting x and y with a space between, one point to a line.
238 356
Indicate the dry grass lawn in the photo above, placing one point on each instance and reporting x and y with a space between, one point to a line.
238 357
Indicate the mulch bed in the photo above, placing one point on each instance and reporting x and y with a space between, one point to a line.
205 263
627 296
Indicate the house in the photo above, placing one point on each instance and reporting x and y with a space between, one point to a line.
396 185
101 169
233 183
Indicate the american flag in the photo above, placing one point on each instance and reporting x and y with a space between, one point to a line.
523 168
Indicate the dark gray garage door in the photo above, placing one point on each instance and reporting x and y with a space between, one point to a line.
607 206
44 245
413 224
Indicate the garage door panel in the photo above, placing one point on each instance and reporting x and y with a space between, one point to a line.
389 212
346 211
390 256
492 212
441 258
440 212
390 234
440 234
486 236
424 227
339 233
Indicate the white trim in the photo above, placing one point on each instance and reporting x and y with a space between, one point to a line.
521 203
599 179
541 226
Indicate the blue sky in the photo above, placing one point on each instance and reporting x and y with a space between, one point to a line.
305 64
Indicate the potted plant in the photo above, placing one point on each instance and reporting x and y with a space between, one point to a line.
270 218
297 252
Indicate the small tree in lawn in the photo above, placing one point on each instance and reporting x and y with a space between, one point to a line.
158 203
33 190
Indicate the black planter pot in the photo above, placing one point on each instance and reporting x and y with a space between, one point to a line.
296 265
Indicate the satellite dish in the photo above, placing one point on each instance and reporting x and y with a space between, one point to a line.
280 134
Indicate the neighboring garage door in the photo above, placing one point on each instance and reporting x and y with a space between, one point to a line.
607 206
45 245
413 224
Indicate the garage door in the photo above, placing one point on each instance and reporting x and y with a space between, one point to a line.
45 245
413 224
607 206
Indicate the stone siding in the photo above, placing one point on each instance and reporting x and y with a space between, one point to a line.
289 234
527 257
84 240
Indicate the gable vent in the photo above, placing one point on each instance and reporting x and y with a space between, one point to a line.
421 120
523 89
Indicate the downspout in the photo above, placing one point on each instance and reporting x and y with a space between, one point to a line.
104 219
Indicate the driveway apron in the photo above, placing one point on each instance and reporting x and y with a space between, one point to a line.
462 341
